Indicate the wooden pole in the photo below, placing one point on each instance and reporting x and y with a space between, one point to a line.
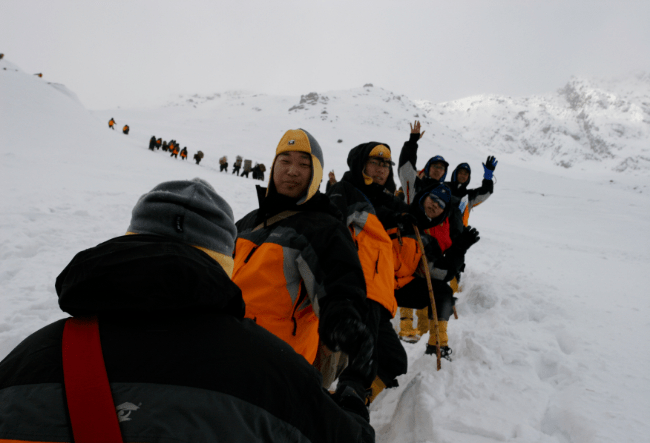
433 314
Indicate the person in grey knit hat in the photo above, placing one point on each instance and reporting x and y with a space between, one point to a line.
158 318
189 211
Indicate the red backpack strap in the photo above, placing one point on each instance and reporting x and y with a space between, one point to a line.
90 402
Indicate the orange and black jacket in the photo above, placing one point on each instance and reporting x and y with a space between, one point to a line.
406 253
300 274
373 244
178 353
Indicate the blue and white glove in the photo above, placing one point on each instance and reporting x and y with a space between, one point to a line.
488 167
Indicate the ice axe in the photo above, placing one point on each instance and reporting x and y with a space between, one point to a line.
433 314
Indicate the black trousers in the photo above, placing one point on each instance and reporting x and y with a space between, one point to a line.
415 295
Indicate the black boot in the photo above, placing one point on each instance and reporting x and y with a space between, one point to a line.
445 351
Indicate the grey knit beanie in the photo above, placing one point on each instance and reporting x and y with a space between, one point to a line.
189 211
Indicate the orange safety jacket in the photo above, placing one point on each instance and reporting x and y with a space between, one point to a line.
373 244
111 122
291 266
184 154
406 257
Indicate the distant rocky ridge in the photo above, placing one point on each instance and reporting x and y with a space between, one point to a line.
587 120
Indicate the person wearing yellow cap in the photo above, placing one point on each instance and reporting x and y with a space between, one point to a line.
364 196
297 265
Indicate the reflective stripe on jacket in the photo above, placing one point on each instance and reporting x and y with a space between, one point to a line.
289 268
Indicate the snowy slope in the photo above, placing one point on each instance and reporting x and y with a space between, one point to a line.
586 124
249 124
551 341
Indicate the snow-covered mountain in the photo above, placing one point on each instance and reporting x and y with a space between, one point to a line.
586 122
549 346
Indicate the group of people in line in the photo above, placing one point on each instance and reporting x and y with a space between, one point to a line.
258 170
173 147
112 124
245 338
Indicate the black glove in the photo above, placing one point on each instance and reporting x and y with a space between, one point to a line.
349 400
432 249
405 221
469 237
351 336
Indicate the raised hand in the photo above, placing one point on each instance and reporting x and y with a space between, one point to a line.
415 128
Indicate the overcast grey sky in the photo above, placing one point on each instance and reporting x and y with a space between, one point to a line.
125 53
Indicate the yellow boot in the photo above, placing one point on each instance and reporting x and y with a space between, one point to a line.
445 350
423 321
406 333
444 338
376 387
453 284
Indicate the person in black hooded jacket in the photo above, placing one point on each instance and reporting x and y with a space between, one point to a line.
412 181
182 362
445 244
460 180
363 196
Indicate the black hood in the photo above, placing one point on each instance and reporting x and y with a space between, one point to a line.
459 189
357 159
146 274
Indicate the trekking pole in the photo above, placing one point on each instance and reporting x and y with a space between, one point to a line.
455 313
433 314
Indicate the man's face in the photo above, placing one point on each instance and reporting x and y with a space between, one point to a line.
292 173
378 169
437 170
462 175
431 208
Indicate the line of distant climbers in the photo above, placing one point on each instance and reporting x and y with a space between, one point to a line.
257 170
111 124
174 147
38 74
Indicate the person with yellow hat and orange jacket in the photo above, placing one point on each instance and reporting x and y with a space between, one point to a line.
297 265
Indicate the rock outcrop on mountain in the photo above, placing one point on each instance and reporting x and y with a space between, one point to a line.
585 121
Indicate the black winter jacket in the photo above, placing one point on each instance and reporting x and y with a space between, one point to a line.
475 196
183 364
